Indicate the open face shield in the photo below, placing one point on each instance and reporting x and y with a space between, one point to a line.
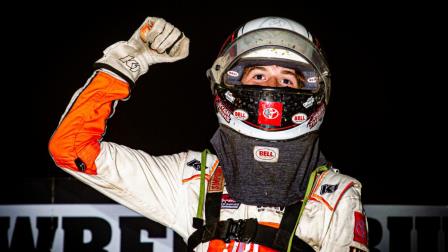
268 46
255 68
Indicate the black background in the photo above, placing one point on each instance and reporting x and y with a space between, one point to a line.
378 128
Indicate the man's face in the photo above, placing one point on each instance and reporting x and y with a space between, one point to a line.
270 76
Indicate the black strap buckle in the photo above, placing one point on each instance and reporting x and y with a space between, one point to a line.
238 230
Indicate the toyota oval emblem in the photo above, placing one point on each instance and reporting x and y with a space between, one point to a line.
270 113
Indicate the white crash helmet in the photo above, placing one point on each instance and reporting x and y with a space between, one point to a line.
270 113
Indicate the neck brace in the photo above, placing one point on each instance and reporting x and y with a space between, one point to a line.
266 173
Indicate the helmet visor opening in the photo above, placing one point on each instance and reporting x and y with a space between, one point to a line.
272 73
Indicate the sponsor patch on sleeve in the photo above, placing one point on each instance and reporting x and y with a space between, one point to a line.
360 230
327 188
196 164
216 183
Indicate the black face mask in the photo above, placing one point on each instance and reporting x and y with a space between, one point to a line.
253 178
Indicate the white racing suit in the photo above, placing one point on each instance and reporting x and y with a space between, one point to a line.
166 188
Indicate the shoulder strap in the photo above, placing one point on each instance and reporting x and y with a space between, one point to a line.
212 206
198 222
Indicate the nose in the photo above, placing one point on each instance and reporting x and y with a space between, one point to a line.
271 82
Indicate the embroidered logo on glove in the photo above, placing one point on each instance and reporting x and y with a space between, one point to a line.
131 63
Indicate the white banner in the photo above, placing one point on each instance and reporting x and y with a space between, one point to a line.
112 227
384 214
106 213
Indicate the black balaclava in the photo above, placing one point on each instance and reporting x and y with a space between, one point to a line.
252 182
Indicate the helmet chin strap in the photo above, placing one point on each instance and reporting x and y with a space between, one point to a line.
266 173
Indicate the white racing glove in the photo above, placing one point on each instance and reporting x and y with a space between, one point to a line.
156 41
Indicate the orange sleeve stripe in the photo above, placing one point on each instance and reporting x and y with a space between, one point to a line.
320 199
212 170
79 134
197 176
207 176
319 180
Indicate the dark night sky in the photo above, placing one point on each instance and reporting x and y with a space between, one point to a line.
372 130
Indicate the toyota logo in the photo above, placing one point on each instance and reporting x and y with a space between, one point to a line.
270 113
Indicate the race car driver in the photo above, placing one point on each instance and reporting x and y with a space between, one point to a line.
268 188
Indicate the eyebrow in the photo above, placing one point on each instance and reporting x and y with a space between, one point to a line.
288 72
257 67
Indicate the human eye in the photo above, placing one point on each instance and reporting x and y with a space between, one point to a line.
288 82
259 77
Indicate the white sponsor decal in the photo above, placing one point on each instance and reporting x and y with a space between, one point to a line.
274 210
299 118
240 114
312 79
266 154
308 102
229 96
233 73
